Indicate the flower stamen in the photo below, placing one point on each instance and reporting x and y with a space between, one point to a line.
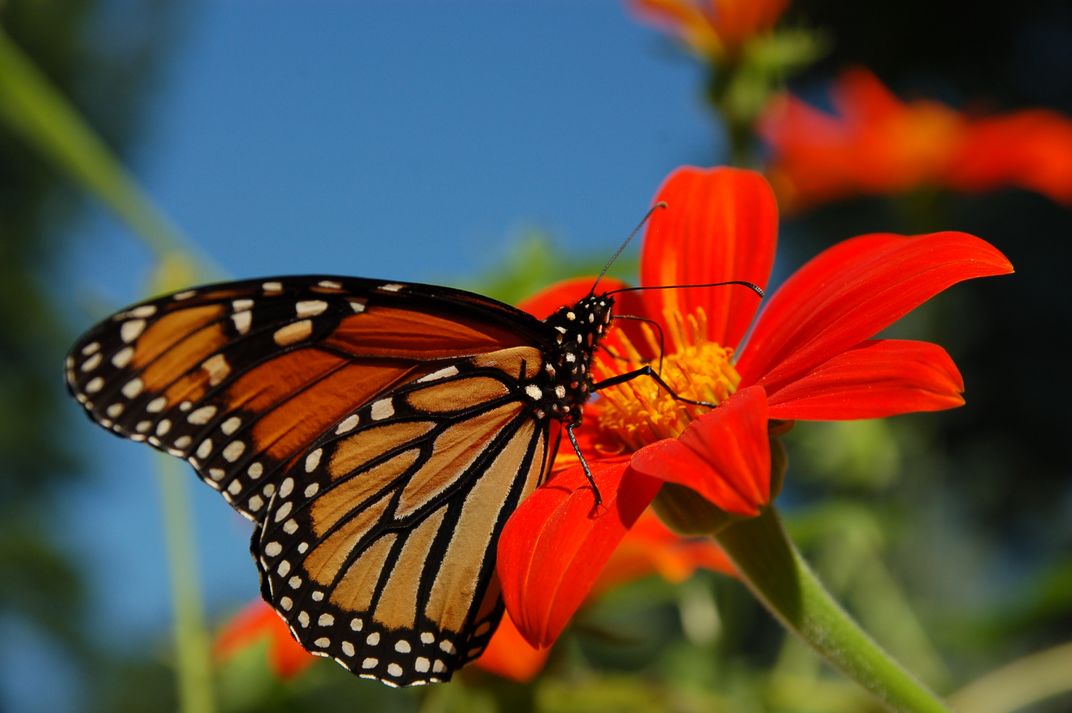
639 412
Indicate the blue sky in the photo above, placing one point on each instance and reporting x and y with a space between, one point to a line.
404 140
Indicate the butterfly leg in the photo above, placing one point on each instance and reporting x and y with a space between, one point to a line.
646 370
584 463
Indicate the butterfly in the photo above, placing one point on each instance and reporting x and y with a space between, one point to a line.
377 434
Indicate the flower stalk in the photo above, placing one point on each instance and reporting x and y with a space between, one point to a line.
769 564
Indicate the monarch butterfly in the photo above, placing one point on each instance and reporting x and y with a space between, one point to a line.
377 434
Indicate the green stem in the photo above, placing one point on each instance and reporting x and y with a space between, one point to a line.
43 118
1019 684
776 573
192 651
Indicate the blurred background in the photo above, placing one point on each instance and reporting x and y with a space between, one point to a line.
498 146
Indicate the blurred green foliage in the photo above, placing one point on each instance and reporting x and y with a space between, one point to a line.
41 590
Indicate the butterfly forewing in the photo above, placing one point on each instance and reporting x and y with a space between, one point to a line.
239 378
375 549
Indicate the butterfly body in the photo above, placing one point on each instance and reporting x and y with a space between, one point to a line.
377 434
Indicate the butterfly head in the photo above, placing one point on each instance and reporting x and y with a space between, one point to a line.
577 330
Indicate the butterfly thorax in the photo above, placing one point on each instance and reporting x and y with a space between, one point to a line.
567 380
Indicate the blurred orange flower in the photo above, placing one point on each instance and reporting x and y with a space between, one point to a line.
712 29
875 144
258 622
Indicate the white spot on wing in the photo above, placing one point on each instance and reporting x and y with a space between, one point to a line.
293 333
348 424
95 384
441 374
202 415
313 460
131 329
217 368
272 287
533 392
242 320
310 308
391 287
282 512
122 357
382 409
233 450
132 388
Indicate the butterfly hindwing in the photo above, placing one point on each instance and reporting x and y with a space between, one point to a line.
375 548
239 378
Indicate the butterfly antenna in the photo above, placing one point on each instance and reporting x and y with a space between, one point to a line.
743 283
625 243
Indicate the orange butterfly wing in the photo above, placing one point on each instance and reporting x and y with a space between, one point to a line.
240 378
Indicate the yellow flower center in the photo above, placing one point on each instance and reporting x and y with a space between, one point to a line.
640 411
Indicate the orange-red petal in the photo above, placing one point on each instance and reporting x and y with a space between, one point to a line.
650 547
510 656
851 291
720 224
556 543
724 455
738 20
1030 148
873 380
257 622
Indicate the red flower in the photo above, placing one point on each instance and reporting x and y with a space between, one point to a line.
712 29
875 144
258 622
648 548
810 355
